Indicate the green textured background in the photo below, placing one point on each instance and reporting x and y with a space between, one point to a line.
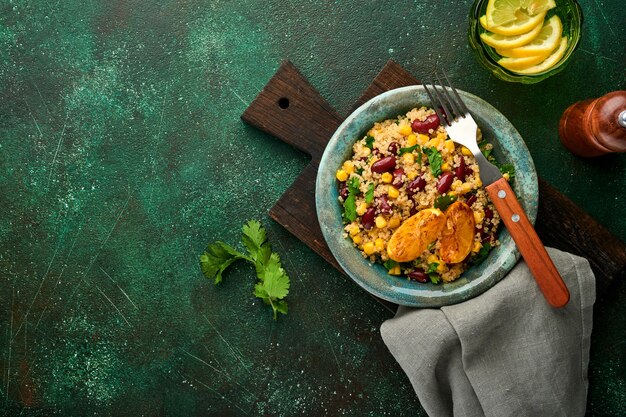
122 155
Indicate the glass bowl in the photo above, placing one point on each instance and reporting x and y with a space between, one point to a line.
571 17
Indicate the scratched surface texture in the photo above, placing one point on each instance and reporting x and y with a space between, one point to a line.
122 154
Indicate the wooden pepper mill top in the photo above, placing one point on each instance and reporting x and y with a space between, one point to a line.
595 127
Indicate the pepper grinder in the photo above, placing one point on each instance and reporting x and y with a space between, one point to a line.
595 127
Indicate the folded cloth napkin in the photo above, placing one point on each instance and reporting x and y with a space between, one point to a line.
503 353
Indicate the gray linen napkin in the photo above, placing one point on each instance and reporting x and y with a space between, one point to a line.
503 353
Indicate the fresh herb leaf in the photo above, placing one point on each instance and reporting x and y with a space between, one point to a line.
442 202
359 171
390 264
486 152
217 257
431 245
353 186
432 272
349 208
408 149
369 195
273 285
369 142
419 159
482 254
435 160
508 169
253 237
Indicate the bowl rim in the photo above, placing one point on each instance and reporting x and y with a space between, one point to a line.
371 279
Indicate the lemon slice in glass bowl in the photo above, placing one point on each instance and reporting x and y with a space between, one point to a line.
543 44
509 42
549 62
502 12
523 24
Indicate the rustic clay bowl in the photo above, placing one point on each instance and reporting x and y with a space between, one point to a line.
508 147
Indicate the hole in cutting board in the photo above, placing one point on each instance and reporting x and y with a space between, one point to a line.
283 102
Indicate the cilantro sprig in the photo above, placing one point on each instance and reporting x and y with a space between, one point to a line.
349 206
434 160
432 272
443 202
273 284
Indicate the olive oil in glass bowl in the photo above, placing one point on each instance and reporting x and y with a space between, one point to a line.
571 17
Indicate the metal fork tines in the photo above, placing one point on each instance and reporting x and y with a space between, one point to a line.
459 124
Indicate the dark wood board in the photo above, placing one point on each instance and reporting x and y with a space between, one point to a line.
288 98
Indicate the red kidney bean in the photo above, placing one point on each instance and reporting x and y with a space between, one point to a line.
398 178
343 191
383 205
445 181
471 200
431 122
368 218
461 171
385 164
418 184
488 214
418 275
376 152
413 210
393 148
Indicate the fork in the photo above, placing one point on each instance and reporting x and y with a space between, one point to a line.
462 129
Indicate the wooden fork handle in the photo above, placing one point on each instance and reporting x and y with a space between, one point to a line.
528 243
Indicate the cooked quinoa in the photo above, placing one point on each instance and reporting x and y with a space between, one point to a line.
377 201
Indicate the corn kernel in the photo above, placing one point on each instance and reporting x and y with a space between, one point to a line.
342 175
379 244
442 136
442 267
411 140
445 166
456 184
465 188
369 248
434 142
433 259
366 151
409 158
394 222
506 176
361 209
479 183
393 192
466 151
411 175
386 177
477 246
354 229
395 270
422 138
348 166
449 145
356 239
405 130
479 216
373 160
381 222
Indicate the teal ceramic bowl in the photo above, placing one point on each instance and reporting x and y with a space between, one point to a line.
508 147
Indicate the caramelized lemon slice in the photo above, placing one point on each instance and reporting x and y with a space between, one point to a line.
415 234
457 238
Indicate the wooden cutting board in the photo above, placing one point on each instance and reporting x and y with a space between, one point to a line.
288 99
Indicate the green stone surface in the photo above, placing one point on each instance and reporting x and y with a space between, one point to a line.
123 155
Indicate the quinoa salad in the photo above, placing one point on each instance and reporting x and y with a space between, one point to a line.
413 200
